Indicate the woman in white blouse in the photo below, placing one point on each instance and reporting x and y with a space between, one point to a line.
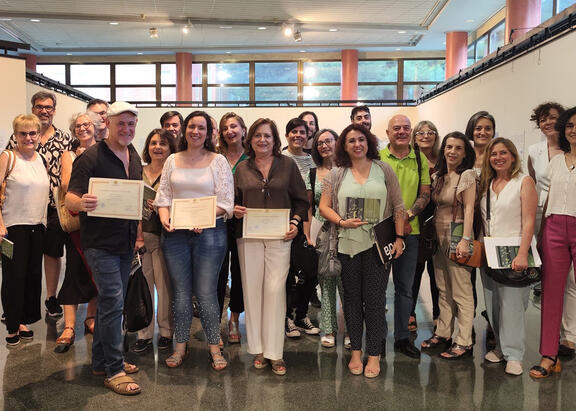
558 242
194 257
22 221
513 202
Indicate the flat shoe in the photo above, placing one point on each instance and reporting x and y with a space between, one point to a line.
435 341
494 356
128 369
120 385
452 354
175 360
514 368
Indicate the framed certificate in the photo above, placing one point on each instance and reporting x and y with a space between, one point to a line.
266 223
188 213
117 198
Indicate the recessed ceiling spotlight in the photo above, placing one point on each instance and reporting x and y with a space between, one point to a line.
34 20
402 32
228 52
287 29
225 27
262 28
469 21
302 51
5 19
333 29
139 53
113 23
153 31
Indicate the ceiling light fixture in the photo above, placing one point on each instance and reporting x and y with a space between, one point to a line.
139 53
228 52
302 51
297 36
35 20
287 29
225 27
334 29
262 28
113 23
402 32
153 31
187 27
5 19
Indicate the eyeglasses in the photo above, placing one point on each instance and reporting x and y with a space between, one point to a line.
326 142
430 133
27 133
40 107
79 126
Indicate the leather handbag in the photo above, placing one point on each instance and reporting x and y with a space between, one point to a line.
9 168
303 258
68 221
138 308
477 257
508 276
329 265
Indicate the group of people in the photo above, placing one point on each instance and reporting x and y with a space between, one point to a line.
417 178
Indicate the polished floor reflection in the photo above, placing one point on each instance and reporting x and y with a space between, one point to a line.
34 377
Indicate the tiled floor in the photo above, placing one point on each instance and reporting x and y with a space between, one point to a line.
34 377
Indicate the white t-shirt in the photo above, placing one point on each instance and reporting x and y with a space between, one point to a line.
562 191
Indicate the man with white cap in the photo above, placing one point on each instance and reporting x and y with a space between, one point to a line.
108 243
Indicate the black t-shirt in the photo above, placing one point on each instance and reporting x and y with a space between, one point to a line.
114 235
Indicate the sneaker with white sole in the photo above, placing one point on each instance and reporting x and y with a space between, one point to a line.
347 343
328 341
514 368
306 325
291 329
494 356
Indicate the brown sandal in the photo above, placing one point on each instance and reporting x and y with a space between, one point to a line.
435 341
128 369
260 362
278 367
538 371
63 343
120 385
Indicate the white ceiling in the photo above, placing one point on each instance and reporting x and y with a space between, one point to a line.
82 27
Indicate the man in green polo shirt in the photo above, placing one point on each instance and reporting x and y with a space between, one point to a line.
402 158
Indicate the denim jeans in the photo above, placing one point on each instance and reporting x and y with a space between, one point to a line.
111 274
403 270
194 262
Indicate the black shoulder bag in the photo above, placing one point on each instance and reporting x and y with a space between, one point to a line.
428 241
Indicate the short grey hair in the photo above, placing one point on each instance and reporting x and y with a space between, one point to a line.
93 117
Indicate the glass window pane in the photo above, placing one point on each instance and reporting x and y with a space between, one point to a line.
228 94
413 92
385 70
424 70
497 37
90 74
228 73
136 74
276 73
564 4
276 93
546 9
482 47
54 71
385 92
322 72
168 73
321 93
168 93
197 73
470 53
103 93
135 94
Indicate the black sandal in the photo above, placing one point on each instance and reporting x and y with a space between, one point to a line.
452 354
435 341
412 323
540 372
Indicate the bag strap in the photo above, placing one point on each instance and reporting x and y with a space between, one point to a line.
11 162
488 207
455 201
419 163
313 185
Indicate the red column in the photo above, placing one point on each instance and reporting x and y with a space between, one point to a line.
521 17
30 61
456 52
183 76
349 89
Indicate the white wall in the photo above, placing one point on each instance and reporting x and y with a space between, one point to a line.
12 84
510 93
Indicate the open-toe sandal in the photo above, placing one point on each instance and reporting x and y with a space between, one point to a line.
542 372
412 323
87 328
457 352
63 343
120 385
278 367
234 335
128 369
435 341
217 360
260 362
175 360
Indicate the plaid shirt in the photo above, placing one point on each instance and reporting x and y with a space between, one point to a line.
52 151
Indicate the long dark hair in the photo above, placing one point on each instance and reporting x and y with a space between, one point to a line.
561 129
468 160
342 157
474 119
208 145
164 136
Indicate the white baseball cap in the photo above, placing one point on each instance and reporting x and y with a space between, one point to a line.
120 107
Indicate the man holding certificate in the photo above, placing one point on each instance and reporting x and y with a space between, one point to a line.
270 201
108 237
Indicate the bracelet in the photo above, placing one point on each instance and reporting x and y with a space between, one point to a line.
294 221
464 237
340 222
403 237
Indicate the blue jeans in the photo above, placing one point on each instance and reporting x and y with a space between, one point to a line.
110 274
403 270
193 262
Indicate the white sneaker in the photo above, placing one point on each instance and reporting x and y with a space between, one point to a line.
306 325
328 341
514 368
494 356
291 330
347 343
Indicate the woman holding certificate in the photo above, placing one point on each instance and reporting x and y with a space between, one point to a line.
513 203
270 202
558 242
22 221
360 176
454 192
200 182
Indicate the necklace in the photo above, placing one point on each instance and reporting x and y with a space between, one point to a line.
573 166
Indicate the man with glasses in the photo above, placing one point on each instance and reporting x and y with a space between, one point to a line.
52 144
415 185
100 108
